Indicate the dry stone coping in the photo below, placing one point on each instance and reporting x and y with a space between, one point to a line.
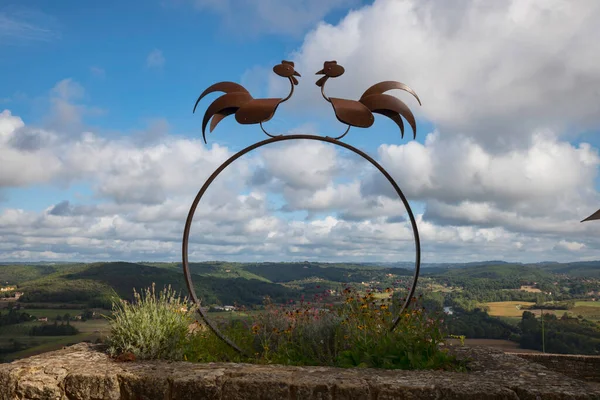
83 371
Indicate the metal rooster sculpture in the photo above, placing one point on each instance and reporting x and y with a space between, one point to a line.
237 100
360 113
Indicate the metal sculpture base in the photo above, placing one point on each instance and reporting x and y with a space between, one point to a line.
188 223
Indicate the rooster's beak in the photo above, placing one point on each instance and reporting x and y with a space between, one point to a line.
297 74
321 72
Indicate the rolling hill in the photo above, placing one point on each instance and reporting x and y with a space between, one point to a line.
247 283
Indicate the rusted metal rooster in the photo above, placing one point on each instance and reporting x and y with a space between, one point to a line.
592 217
360 113
237 100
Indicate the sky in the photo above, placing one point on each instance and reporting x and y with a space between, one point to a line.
101 155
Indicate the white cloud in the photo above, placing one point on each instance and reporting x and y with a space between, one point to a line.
98 72
24 160
146 191
506 83
459 169
67 108
570 246
247 17
155 59
301 165
19 25
496 71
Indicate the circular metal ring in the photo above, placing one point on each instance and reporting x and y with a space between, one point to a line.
188 222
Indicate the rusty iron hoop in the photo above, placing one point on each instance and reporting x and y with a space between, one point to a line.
188 223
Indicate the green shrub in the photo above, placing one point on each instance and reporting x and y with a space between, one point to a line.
152 326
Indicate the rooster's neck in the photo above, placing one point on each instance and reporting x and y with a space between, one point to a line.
291 91
323 88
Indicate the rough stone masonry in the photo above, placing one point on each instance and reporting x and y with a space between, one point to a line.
83 371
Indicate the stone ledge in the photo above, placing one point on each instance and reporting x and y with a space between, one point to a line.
576 366
82 372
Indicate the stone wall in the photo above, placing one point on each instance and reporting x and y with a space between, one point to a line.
578 367
84 372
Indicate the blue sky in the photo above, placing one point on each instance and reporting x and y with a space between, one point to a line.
85 43
478 176
105 48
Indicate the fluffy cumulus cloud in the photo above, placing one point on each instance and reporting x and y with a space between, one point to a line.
495 71
507 84
551 177
25 158
141 196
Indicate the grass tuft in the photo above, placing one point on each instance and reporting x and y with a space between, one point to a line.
153 326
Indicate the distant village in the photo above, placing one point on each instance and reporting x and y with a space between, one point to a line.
10 293
222 308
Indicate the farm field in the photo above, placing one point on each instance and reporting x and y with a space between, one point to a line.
51 313
57 306
587 303
587 309
507 308
436 287
90 330
530 289
51 343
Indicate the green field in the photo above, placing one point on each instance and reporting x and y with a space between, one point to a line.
587 303
51 343
51 313
587 309
90 330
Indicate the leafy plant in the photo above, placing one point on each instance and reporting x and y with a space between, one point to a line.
351 329
153 326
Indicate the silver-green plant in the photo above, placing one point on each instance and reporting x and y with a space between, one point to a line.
151 327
